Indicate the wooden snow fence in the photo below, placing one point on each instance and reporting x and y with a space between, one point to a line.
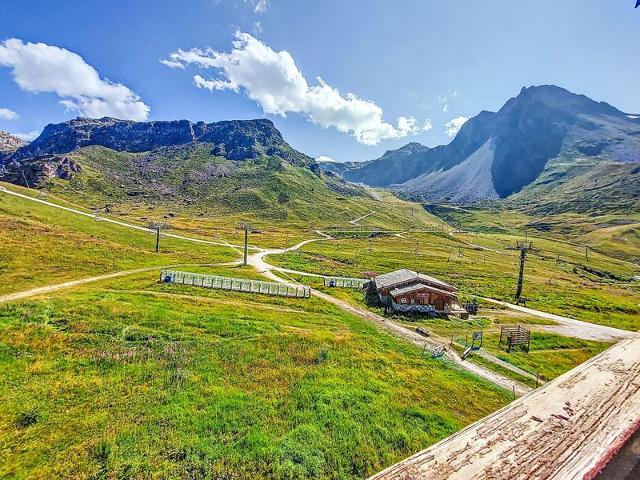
345 282
235 284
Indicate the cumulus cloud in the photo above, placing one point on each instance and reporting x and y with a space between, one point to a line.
38 67
274 81
453 126
6 114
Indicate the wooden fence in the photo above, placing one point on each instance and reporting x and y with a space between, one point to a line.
345 282
235 284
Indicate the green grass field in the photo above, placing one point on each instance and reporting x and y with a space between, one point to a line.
550 355
132 378
42 245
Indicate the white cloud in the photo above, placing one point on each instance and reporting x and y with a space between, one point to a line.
427 125
273 80
325 159
38 67
445 100
6 114
172 64
261 6
27 136
453 126
257 27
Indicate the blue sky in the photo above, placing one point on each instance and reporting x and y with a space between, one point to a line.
408 64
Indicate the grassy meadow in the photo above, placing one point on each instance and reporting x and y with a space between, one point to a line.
558 278
133 378
42 245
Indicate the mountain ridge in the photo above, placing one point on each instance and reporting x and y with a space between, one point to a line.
535 133
232 139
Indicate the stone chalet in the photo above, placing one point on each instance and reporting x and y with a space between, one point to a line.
408 291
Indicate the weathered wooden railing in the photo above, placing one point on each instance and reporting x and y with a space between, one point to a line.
235 284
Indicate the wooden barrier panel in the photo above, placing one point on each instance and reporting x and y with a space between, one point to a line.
345 282
235 284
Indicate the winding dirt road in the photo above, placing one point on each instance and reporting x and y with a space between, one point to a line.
570 327
9 297
257 260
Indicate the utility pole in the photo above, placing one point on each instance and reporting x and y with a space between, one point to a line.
523 248
25 179
157 227
246 227
246 243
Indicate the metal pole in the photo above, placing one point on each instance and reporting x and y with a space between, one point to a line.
157 239
246 236
523 256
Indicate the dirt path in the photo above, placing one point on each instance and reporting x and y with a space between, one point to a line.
569 326
258 262
355 221
9 297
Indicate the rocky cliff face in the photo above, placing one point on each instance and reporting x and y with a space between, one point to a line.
234 140
545 132
9 144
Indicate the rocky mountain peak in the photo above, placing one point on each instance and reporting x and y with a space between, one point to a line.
558 98
9 144
235 139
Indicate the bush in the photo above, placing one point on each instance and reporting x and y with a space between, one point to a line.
26 419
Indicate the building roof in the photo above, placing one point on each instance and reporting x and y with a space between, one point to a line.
416 287
435 281
395 277
404 275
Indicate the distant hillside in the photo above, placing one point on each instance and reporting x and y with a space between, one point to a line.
545 145
395 166
226 168
9 144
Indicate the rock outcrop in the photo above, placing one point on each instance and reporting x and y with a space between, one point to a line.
234 140
9 144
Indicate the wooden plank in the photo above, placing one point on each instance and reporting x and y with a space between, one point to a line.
567 429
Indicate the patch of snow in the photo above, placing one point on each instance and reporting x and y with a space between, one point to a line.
325 159
633 117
